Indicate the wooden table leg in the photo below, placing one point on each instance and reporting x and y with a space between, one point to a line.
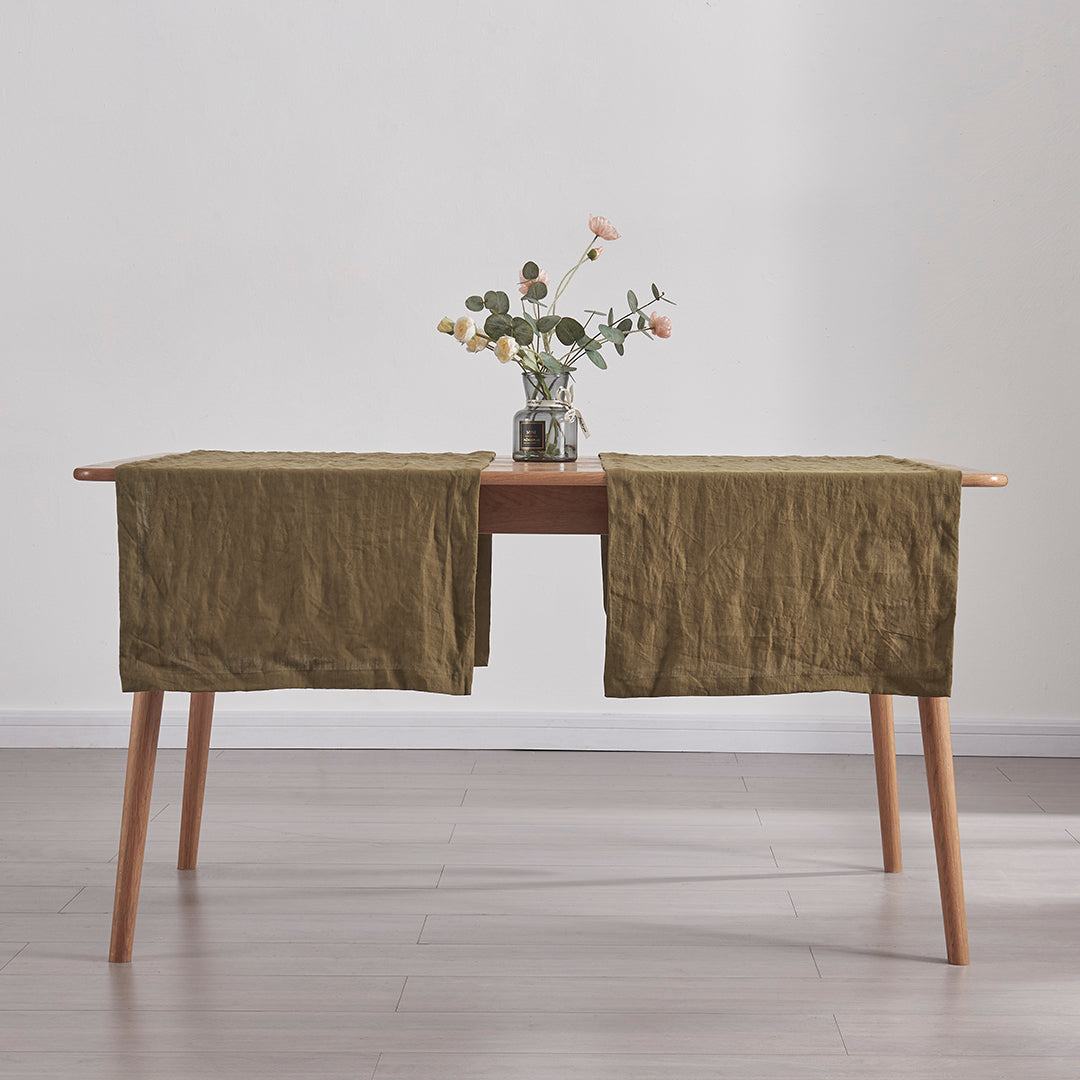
200 717
888 797
937 749
142 753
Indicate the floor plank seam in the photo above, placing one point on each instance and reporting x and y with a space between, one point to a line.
843 1041
404 983
72 900
817 968
26 945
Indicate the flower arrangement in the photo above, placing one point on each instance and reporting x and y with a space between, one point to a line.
529 339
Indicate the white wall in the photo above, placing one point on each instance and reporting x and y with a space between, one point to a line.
235 224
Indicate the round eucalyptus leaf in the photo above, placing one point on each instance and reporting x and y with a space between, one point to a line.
522 331
569 330
536 291
655 291
631 299
498 326
546 323
626 324
502 303
530 271
475 303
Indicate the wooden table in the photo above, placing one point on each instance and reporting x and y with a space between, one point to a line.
549 499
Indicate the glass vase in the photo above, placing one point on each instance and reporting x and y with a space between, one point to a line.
542 431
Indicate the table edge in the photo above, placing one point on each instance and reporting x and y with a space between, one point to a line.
503 472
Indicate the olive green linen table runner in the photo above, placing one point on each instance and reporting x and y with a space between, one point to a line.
778 575
258 571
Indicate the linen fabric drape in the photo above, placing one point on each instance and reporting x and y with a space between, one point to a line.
253 571
778 575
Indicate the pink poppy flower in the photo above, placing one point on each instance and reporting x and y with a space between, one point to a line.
524 283
660 325
603 228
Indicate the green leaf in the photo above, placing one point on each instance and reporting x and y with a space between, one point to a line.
536 291
530 320
613 334
641 322
611 317
529 360
475 303
597 359
655 291
619 349
546 323
631 299
569 330
550 362
626 324
530 271
498 326
522 331
497 302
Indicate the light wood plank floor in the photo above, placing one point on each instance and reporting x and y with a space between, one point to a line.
479 915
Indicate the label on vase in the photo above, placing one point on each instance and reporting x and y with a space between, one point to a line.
530 434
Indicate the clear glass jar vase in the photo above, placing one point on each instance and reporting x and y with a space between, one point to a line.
542 431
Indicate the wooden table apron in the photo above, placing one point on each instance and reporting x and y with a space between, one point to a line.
549 499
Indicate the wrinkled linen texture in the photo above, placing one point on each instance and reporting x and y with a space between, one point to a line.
259 571
779 575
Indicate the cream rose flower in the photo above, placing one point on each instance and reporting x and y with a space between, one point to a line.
506 349
477 343
464 329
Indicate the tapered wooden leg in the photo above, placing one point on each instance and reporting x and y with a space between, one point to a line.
142 753
937 749
888 796
200 717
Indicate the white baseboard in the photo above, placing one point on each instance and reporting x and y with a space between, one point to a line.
542 731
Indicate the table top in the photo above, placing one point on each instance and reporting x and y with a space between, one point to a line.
504 472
